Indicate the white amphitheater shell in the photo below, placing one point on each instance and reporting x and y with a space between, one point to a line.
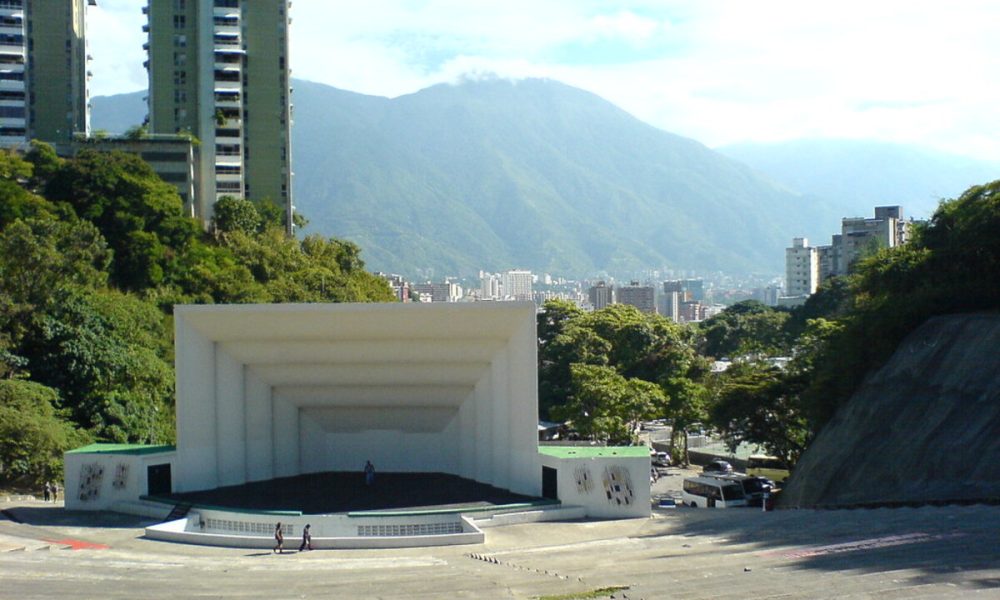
277 390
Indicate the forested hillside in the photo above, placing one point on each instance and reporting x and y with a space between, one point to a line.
94 253
495 174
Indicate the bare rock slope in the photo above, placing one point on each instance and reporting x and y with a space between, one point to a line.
923 428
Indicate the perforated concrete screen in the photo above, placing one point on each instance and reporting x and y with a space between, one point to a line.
267 391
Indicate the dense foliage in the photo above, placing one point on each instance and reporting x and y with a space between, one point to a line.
94 253
608 370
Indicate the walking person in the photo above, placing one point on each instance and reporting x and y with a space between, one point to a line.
279 537
307 539
55 492
47 491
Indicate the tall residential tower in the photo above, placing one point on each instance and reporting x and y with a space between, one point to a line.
43 70
218 69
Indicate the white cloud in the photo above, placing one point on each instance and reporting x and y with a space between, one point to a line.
718 70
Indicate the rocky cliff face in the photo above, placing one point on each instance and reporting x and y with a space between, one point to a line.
925 427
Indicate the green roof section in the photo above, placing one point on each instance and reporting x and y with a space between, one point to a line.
132 449
595 451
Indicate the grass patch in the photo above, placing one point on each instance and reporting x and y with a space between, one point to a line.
599 592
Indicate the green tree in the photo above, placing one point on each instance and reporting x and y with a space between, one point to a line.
235 214
33 434
756 403
746 328
39 257
140 216
606 406
106 352
45 164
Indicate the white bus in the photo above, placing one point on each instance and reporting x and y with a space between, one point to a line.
707 492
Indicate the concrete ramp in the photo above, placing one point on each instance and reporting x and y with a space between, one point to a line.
924 428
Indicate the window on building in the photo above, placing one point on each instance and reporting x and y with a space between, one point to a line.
180 77
180 22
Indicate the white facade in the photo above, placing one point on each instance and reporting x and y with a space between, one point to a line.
266 391
608 483
801 268
516 285
98 478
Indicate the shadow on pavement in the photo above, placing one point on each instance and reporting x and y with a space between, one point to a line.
942 543
57 516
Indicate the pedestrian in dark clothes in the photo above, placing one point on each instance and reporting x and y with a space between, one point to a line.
307 539
279 537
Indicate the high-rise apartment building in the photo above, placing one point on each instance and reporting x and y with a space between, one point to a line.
801 268
218 69
642 297
601 295
43 70
516 285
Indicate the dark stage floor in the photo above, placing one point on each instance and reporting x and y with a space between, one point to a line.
337 492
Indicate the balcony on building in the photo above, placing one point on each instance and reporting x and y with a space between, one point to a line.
227 98
12 43
228 59
12 8
12 80
227 24
228 136
226 40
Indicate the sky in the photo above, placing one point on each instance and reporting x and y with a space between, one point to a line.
719 71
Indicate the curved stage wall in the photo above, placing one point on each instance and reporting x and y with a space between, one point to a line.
269 391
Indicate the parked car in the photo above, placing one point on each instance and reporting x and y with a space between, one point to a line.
660 459
717 466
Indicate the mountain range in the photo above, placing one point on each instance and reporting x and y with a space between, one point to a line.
861 174
494 174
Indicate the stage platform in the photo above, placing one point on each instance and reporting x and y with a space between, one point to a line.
398 510
346 492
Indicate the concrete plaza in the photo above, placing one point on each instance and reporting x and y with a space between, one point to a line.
677 553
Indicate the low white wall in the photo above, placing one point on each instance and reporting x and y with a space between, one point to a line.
210 527
614 487
98 481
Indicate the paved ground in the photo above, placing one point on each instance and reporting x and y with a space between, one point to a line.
679 553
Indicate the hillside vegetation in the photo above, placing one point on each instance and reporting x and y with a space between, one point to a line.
94 253
495 174
610 369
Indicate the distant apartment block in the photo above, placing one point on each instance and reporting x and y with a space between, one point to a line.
43 71
218 70
682 299
516 285
642 297
436 292
601 295
807 267
801 268
400 287
489 286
